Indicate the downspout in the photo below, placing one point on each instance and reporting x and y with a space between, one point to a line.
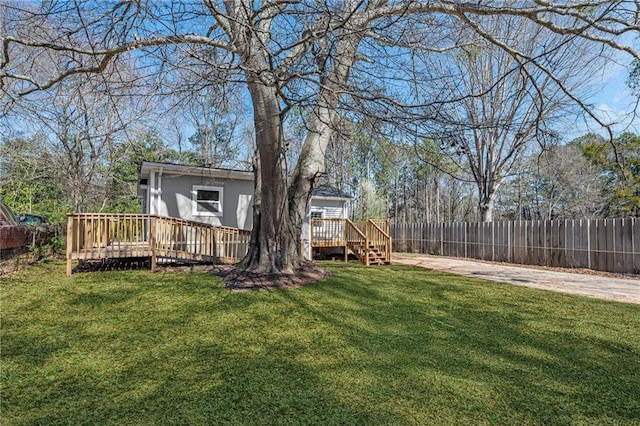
159 192
155 191
151 205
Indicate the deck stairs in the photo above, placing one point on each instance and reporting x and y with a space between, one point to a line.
376 257
368 240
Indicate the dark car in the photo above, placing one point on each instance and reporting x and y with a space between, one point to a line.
31 219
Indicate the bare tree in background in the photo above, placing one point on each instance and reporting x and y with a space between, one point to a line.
510 91
84 128
216 113
316 54
567 185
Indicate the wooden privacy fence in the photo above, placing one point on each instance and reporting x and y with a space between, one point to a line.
92 236
611 245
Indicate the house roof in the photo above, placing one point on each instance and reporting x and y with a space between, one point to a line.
181 169
326 191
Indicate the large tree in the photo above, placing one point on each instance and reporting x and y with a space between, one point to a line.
505 102
321 56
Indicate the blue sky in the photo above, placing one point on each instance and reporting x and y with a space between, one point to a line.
614 102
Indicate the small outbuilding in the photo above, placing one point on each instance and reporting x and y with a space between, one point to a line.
222 197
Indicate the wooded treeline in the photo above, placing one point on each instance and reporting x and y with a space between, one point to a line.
405 181
421 182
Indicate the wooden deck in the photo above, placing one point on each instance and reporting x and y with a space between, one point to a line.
96 236
369 240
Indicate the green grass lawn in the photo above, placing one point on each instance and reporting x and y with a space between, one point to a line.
378 345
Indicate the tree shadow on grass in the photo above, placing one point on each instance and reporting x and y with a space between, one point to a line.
401 346
114 357
491 348
196 385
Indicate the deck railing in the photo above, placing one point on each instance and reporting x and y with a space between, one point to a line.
98 236
232 244
182 240
92 236
328 232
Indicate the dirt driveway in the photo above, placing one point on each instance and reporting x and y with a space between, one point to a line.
603 287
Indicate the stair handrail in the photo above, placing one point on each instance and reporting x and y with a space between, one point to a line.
355 228
362 239
383 221
386 235
386 238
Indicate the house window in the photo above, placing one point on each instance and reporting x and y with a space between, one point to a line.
207 200
316 214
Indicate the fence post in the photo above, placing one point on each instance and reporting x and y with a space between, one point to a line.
493 241
589 244
466 239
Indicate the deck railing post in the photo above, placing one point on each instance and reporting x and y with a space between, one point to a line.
69 244
366 244
389 243
346 240
216 237
211 240
152 242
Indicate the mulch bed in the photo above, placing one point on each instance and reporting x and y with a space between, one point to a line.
233 280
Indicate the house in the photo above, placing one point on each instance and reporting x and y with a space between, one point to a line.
222 197
201 214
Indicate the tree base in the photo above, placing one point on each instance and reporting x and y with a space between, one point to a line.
235 280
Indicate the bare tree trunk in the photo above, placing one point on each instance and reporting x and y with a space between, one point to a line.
271 249
487 191
279 213
485 207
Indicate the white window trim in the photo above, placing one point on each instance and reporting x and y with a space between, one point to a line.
316 210
194 200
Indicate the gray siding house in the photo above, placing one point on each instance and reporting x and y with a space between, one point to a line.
221 197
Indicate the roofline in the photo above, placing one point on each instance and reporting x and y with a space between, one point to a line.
146 167
325 197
